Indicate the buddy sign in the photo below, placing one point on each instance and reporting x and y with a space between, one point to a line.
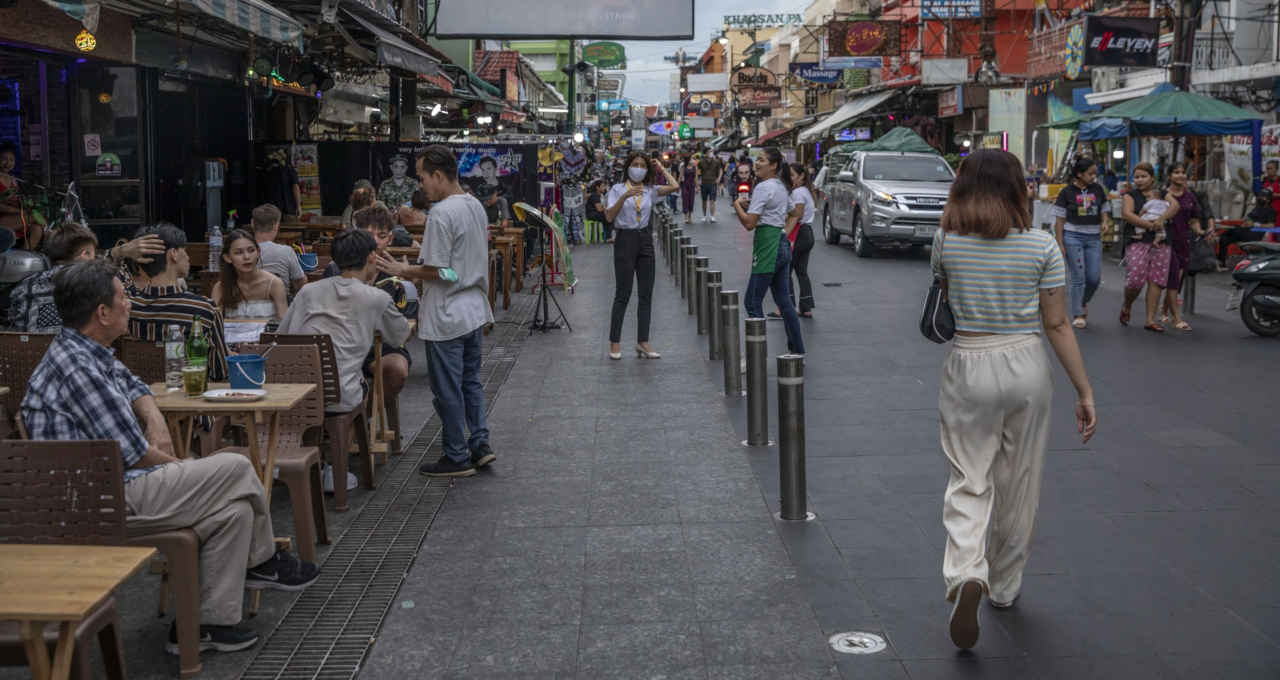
756 88
605 55
1121 41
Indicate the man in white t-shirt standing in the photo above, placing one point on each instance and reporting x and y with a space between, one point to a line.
453 311
275 258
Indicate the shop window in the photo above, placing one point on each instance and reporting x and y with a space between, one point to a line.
810 101
109 124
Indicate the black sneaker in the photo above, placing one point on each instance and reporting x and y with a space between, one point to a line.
282 572
217 638
482 456
445 467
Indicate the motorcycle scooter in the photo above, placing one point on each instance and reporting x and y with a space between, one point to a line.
1257 283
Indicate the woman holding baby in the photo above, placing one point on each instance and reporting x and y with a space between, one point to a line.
1147 257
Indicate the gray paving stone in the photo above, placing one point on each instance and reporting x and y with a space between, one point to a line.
764 641
626 647
643 602
504 648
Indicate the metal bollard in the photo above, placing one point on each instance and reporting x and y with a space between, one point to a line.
663 228
686 281
691 281
757 384
791 466
712 301
679 270
674 246
732 350
698 300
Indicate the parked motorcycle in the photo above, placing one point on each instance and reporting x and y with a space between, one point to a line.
1257 282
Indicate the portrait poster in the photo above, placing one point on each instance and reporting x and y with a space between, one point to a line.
489 171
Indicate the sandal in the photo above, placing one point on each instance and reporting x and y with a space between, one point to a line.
1079 322
1154 328
774 315
1124 317
1183 326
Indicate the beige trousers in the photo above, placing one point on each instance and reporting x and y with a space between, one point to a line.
221 499
994 404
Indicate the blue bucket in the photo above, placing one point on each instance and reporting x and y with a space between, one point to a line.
247 371
308 261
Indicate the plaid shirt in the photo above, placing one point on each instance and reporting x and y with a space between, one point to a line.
81 391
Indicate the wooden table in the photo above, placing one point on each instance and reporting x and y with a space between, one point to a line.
505 245
42 584
181 413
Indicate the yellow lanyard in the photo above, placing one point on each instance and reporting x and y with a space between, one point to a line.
638 200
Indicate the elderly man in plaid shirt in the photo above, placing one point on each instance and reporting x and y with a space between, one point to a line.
81 391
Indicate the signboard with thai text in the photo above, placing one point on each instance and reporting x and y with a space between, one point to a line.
864 38
951 102
605 55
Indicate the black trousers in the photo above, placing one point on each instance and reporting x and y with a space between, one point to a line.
800 266
632 259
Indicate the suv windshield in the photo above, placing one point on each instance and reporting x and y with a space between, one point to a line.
906 169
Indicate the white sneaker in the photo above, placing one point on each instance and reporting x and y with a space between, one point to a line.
326 480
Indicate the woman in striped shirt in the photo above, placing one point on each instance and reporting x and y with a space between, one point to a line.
1005 282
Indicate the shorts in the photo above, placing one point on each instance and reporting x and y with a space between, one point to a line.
709 192
1146 263
387 350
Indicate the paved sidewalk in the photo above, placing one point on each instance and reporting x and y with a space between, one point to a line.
625 533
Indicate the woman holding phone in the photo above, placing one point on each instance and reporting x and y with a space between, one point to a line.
629 206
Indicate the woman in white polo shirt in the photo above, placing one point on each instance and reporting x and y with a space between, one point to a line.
765 214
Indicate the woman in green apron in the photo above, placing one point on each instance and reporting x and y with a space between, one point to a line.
764 215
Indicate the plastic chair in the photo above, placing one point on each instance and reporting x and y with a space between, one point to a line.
72 493
20 353
297 450
339 426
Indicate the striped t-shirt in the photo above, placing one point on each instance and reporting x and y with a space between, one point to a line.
994 285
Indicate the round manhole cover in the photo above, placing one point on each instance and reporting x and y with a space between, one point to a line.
857 642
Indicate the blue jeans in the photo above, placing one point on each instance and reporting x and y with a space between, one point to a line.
453 369
779 281
1084 267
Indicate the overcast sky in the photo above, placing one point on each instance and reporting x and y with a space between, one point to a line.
649 77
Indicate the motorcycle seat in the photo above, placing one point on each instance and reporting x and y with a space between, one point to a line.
1260 247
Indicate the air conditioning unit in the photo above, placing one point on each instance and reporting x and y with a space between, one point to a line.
1106 79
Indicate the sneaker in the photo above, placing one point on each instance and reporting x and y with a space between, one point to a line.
445 467
1003 605
217 638
964 615
282 572
326 479
482 456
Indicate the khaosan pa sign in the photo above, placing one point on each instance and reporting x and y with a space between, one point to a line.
605 55
749 21
811 72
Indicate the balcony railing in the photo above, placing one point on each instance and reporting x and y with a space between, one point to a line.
1045 57
1212 52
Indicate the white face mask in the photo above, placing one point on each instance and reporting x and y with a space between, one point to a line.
637 174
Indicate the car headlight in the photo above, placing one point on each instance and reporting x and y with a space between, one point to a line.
881 198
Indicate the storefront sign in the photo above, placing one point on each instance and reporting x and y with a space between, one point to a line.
994 140
864 38
108 166
605 55
684 131
663 127
92 145
1239 154
611 104
753 112
951 9
637 139
951 102
814 73
862 134
750 21
757 88
1121 41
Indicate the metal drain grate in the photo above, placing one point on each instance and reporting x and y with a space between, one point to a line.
331 626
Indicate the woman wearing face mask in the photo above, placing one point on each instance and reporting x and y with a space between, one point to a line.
1147 257
1081 212
1184 220
765 215
629 206
243 290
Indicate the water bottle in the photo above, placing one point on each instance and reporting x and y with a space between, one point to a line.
197 346
215 247
173 357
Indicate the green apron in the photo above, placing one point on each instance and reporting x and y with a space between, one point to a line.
764 249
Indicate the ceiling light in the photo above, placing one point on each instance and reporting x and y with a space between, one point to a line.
85 41
966 143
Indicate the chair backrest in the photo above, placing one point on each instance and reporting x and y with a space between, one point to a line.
20 353
198 252
61 492
295 364
328 360
144 358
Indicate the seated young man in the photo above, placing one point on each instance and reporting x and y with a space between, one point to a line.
31 307
80 391
350 311
273 257
164 301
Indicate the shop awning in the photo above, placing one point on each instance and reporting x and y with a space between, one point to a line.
253 16
395 52
843 114
766 137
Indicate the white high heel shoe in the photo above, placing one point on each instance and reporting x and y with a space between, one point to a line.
645 354
616 356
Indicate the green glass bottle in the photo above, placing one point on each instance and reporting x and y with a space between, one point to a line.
197 345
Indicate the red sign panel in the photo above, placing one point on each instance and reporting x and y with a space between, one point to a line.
864 38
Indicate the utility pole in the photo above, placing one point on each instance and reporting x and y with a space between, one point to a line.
573 86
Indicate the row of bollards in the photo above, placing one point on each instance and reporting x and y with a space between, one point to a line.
718 317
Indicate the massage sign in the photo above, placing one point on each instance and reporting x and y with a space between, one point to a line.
756 88
1121 41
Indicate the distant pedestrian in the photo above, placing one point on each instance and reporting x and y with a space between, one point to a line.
710 173
1184 223
800 233
629 206
1005 282
765 215
1147 257
688 174
1080 213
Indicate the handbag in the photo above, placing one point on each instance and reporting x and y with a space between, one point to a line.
937 323
1202 259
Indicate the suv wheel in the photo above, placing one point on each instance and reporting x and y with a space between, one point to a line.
829 232
861 245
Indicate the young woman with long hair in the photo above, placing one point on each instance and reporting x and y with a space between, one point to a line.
800 232
1183 222
765 215
243 290
629 206
688 186
1005 282
1081 214
1147 256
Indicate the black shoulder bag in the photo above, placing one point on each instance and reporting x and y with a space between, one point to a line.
937 322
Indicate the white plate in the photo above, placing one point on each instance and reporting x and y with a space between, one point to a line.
235 395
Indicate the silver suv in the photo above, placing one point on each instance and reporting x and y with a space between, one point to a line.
884 198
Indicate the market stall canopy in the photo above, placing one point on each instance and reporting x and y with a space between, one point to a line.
767 137
396 53
254 16
845 113
1103 128
901 139
1183 113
